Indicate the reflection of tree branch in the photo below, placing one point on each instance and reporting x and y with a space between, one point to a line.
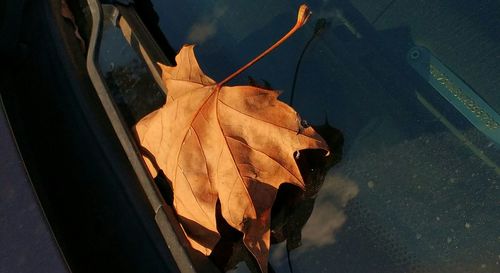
318 28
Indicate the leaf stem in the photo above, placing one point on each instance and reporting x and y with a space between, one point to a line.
302 16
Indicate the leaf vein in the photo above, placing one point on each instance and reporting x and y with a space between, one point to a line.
265 121
191 188
279 163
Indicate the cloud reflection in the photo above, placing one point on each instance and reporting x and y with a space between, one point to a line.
328 215
206 27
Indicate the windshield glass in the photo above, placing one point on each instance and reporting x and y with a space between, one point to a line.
413 88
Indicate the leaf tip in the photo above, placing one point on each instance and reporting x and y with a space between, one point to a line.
162 66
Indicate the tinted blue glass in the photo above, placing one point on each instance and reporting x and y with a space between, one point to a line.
417 189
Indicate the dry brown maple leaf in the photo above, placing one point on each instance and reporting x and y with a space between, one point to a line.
229 144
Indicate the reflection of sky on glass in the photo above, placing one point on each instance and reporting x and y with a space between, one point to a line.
421 200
